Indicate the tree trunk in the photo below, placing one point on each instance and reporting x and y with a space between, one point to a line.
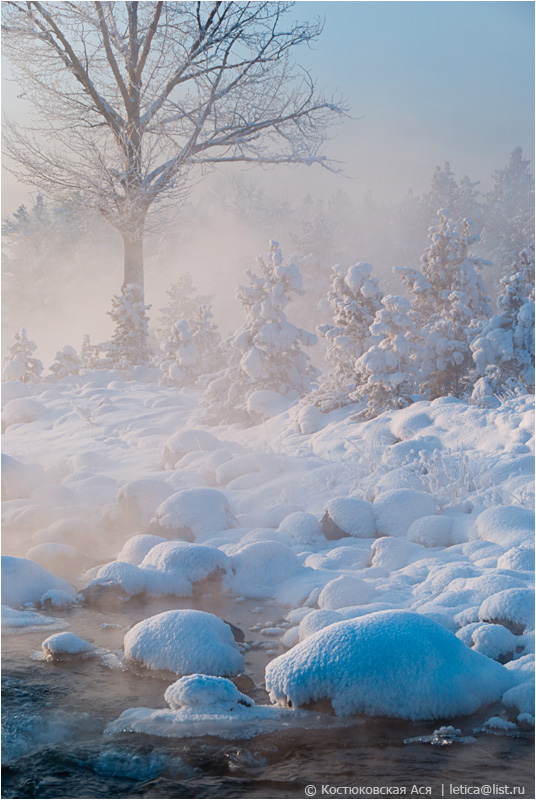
133 251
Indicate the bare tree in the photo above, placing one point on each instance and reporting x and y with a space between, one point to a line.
135 100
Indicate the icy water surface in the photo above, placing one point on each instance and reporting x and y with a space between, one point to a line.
55 714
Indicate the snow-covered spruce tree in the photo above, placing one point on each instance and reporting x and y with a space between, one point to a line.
503 351
89 354
128 346
355 298
66 362
447 301
388 371
509 216
192 349
183 303
19 363
266 352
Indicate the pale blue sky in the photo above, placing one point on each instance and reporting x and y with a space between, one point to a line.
426 82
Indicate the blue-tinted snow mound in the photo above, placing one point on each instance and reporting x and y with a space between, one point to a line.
184 642
390 663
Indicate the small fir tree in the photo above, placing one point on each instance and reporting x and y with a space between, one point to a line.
266 352
192 350
355 298
19 364
89 354
66 362
182 304
388 371
129 344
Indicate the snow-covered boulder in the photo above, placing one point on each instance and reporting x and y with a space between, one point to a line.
349 516
396 510
493 641
513 608
66 644
393 554
24 581
184 642
136 548
192 512
188 441
141 498
303 528
23 409
316 621
391 663
62 558
167 568
205 691
346 590
435 531
509 526
258 567
518 559
520 699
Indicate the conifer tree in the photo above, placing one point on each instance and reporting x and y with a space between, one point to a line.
128 346
19 364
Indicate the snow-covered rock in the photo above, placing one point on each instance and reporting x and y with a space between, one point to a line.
24 581
136 548
202 691
184 642
435 531
23 409
391 663
66 644
513 608
509 526
349 516
396 510
192 512
260 566
187 441
141 498
303 528
346 590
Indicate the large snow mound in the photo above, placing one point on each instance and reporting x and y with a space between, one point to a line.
184 642
351 516
167 568
397 509
508 526
24 581
193 512
390 663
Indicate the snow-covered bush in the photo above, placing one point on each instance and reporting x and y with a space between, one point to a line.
266 352
19 364
66 362
388 371
447 299
192 349
503 351
129 344
355 298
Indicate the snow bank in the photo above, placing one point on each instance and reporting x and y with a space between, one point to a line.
192 512
184 642
391 663
24 581
349 516
397 509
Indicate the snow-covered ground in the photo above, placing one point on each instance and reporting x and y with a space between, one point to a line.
401 549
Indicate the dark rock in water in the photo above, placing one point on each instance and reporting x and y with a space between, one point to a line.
514 627
238 633
331 529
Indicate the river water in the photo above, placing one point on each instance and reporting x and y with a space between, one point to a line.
54 715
